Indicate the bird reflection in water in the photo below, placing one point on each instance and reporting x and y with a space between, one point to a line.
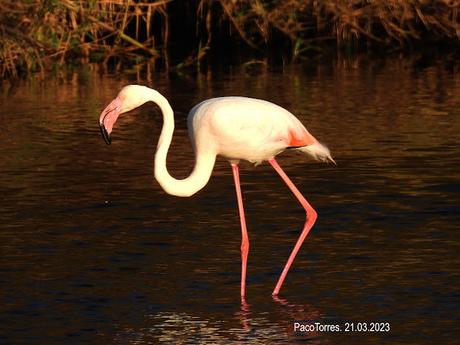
273 323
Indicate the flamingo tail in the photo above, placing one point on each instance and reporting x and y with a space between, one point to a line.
318 152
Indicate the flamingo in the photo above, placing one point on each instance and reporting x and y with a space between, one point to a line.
237 128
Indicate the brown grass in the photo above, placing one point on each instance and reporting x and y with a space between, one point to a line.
396 23
34 33
37 34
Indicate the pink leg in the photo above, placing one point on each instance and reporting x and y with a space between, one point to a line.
311 218
244 232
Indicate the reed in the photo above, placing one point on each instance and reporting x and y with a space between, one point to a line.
37 34
308 24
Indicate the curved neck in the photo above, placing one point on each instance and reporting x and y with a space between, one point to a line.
204 163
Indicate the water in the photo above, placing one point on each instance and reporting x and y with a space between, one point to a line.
93 251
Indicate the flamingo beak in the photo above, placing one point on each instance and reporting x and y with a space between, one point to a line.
105 134
108 118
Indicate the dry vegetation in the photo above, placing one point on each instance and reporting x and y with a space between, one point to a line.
35 34
396 23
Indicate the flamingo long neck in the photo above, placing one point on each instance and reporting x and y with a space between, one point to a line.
204 163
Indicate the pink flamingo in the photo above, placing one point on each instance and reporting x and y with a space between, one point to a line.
235 128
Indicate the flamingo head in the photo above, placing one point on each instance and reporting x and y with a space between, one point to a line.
129 98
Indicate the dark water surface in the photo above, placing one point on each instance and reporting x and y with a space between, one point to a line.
94 252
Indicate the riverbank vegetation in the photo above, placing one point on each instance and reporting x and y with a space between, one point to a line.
37 35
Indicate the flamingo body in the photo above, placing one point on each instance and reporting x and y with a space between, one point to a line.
245 128
235 128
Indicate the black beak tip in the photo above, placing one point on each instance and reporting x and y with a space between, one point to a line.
105 134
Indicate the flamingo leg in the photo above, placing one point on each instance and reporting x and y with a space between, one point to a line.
244 232
311 218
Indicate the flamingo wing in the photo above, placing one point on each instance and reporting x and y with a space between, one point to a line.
247 128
